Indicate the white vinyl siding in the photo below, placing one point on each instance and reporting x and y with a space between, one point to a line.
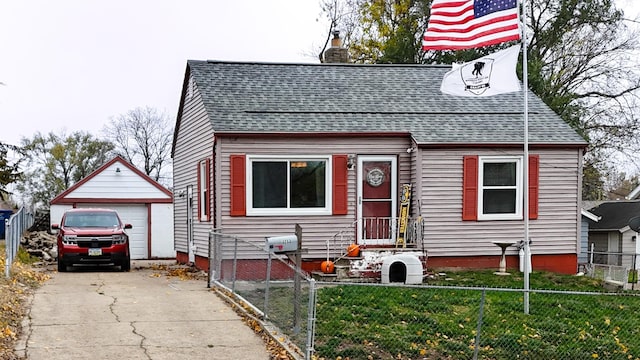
113 184
316 230
194 142
556 231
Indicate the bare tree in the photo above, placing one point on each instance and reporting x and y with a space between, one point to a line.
143 137
341 15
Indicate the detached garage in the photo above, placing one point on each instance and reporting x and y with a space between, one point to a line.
139 200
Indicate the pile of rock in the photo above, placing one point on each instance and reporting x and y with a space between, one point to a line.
40 220
40 244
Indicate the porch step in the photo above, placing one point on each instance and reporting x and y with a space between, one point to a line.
344 273
367 266
320 276
346 261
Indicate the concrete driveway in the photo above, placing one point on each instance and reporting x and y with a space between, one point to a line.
142 314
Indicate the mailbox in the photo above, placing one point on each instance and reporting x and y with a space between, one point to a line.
281 244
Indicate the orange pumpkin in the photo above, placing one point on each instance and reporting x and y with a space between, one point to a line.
353 250
327 267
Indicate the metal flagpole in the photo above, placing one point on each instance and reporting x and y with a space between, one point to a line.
525 162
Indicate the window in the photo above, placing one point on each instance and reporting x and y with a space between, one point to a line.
204 182
335 178
492 187
500 189
288 186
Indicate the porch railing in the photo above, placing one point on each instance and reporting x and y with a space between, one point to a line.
375 230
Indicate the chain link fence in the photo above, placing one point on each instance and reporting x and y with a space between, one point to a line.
618 269
369 321
14 226
351 320
272 287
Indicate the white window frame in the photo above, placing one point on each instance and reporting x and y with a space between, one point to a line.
326 210
518 187
203 193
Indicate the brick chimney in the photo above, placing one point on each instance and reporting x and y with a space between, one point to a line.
336 53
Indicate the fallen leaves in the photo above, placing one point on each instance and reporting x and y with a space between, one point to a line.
183 272
14 292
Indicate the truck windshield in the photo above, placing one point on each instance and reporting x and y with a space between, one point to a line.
91 219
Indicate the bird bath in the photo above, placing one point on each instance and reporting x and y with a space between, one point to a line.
503 260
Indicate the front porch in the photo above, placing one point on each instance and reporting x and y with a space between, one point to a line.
380 242
378 232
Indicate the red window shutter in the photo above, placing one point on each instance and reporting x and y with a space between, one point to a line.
534 181
207 204
470 188
340 185
199 191
238 187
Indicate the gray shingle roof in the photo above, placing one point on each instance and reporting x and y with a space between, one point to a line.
327 98
615 214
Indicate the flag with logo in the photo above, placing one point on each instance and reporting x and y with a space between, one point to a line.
465 24
487 76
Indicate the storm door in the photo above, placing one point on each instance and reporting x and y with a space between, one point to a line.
377 198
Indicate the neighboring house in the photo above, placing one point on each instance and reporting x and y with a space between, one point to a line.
610 239
260 147
139 200
587 217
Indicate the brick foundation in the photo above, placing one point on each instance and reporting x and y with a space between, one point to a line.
256 269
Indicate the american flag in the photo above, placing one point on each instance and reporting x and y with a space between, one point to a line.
464 24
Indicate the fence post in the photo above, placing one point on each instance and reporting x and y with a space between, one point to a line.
266 290
479 327
311 319
14 226
217 255
296 282
211 261
8 252
235 264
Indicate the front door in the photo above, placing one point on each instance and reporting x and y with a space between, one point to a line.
377 198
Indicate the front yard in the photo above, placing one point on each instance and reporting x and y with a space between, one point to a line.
442 320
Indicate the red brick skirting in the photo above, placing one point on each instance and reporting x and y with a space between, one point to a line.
256 269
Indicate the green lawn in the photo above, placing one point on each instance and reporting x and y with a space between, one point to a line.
382 322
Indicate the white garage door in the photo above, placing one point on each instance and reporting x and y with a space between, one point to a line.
135 215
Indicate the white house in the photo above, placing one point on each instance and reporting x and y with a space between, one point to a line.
611 238
139 200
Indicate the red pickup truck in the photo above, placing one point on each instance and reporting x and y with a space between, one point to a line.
92 236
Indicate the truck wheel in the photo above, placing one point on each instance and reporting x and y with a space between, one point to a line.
125 265
62 267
